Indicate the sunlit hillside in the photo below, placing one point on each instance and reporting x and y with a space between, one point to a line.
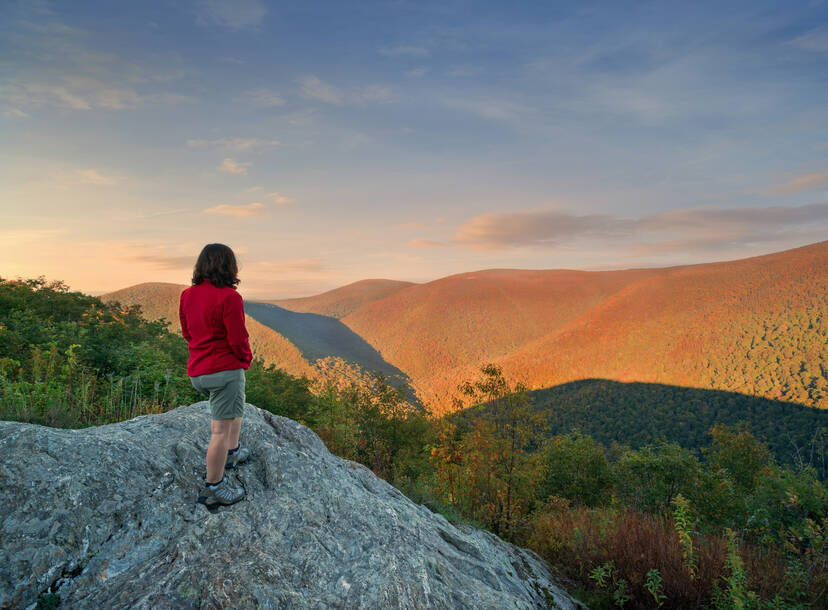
757 326
438 331
157 300
340 302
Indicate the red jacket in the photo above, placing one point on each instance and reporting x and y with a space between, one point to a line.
212 322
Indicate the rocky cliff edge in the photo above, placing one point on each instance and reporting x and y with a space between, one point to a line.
106 517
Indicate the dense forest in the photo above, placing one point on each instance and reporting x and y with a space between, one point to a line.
724 524
637 414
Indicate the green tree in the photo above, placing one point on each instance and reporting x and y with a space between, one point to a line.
496 449
649 478
575 467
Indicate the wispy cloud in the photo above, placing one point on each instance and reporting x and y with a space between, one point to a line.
65 66
497 231
704 219
66 179
296 265
234 14
814 40
807 183
13 238
250 209
373 94
720 243
263 98
316 89
75 92
312 87
15 113
404 50
82 93
490 108
159 214
234 144
229 166
690 228
279 199
93 176
165 262
418 72
162 257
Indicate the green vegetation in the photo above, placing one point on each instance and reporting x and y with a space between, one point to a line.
71 360
657 525
637 414
719 524
67 359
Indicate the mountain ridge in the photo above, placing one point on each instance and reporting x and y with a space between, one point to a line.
709 325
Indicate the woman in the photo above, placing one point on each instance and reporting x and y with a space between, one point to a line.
212 322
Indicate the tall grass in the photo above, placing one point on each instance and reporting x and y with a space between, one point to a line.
57 390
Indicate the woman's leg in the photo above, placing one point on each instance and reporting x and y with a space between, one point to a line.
218 448
235 428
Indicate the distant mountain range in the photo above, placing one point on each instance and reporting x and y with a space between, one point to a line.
340 302
756 326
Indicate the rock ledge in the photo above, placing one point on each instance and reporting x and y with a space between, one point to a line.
106 517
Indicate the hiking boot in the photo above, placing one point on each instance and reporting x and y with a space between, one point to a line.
236 457
222 494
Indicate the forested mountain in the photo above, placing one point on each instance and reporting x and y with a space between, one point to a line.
757 326
321 337
439 332
339 302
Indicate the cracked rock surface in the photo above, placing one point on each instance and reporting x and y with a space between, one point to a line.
106 517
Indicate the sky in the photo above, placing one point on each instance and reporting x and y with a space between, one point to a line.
329 142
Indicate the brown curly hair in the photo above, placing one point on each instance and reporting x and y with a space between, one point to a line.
216 263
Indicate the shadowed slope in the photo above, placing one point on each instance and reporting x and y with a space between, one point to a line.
636 414
318 336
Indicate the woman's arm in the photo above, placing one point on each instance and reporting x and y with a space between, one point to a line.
185 332
237 336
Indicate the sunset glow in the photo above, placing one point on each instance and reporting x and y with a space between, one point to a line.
329 142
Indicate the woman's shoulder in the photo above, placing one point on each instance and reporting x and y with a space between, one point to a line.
223 292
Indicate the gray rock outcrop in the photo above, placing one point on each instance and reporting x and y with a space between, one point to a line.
106 517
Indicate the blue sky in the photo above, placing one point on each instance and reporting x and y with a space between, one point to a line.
328 142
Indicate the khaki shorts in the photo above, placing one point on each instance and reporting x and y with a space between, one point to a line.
226 390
